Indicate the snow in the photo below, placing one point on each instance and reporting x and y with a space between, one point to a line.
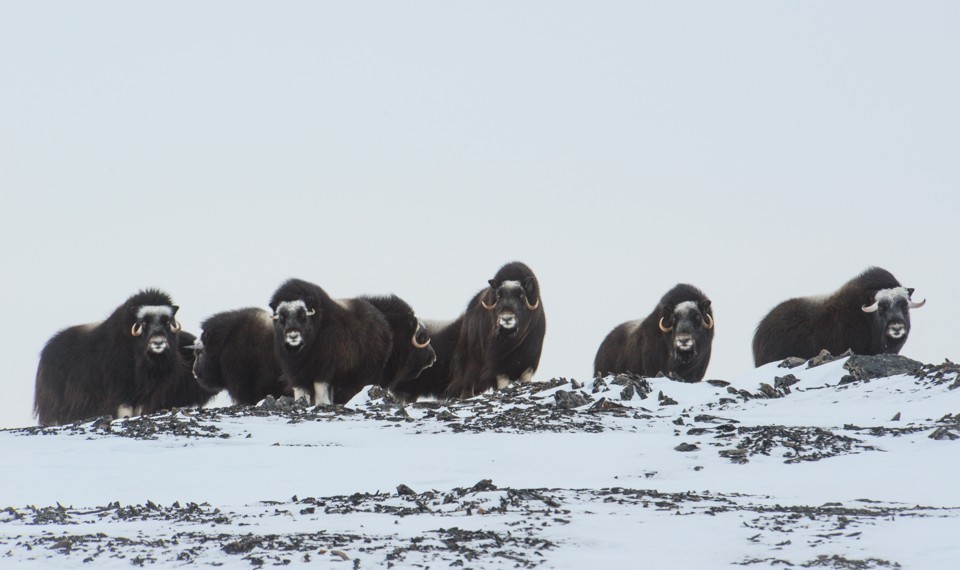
578 488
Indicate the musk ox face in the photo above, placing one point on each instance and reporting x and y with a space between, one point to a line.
687 328
889 314
206 370
512 302
293 322
155 330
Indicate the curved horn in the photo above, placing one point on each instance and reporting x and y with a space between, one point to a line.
275 316
417 344
707 321
311 312
136 329
175 326
663 328
871 308
534 306
917 305
486 306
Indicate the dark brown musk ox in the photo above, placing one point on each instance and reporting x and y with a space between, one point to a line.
328 349
185 391
236 353
114 367
676 338
870 314
496 341
411 352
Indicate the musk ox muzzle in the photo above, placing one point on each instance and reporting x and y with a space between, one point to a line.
158 344
897 330
507 321
293 338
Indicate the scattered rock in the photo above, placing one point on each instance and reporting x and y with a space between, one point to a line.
864 368
687 447
569 400
404 490
792 362
942 433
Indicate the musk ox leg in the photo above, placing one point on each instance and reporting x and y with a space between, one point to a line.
323 392
527 376
124 412
301 393
503 381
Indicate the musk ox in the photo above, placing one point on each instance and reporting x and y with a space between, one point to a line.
869 315
328 350
435 380
411 352
185 391
114 367
235 353
675 338
501 336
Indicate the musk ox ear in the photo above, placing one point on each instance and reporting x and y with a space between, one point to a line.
910 291
273 307
530 288
705 306
493 284
175 308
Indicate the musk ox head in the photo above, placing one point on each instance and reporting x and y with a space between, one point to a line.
422 355
206 370
154 329
889 313
687 328
294 322
513 303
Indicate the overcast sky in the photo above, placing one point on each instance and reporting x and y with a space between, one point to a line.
758 150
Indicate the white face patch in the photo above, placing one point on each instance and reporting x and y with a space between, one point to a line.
291 306
685 307
511 285
891 295
154 310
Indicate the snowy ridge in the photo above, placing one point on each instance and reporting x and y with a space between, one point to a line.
848 463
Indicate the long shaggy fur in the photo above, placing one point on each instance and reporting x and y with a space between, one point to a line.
91 370
434 381
643 348
237 355
406 361
344 346
805 326
185 391
489 356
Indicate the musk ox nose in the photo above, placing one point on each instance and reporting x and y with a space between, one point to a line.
684 342
507 320
896 330
158 344
294 338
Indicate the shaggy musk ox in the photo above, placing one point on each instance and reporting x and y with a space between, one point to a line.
185 391
411 352
675 338
501 334
236 353
869 315
434 381
328 350
114 367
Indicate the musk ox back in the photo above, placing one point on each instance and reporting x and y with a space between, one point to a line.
110 368
236 353
676 338
869 315
501 335
411 352
328 350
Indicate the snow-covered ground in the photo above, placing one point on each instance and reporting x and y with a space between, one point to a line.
818 469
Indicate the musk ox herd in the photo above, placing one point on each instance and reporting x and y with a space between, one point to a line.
326 350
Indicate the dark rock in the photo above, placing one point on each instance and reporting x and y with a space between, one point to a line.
878 366
405 490
718 383
942 433
484 485
627 393
569 400
895 418
784 382
687 447
666 400
792 362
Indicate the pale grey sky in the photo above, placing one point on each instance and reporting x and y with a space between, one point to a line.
758 150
